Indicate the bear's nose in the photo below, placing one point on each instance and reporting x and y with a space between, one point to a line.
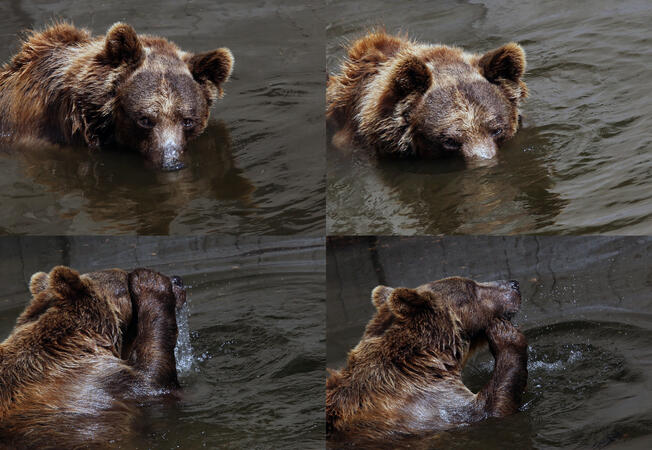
177 281
173 165
514 284
172 154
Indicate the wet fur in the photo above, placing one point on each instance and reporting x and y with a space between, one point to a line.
82 353
68 87
404 377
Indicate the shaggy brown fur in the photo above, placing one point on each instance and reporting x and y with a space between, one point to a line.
141 92
83 352
404 377
407 99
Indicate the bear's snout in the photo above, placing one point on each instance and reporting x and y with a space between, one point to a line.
172 156
480 149
512 297
505 295
173 166
169 143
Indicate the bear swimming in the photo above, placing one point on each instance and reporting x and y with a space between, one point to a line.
136 91
403 379
407 99
84 351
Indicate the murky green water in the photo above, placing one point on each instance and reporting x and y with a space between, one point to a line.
585 311
251 341
258 168
581 161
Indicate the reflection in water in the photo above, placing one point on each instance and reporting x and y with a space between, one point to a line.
584 312
513 194
116 189
251 341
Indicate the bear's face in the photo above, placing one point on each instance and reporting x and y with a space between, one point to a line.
450 314
475 304
165 99
470 118
448 102
159 112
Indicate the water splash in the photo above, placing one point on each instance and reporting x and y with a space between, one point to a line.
183 349
573 356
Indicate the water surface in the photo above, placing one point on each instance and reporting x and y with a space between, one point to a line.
585 312
251 339
258 167
579 164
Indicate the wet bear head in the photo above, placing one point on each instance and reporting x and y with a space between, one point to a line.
165 96
442 101
448 316
122 293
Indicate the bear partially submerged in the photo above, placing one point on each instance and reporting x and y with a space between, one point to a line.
407 99
404 377
83 353
135 91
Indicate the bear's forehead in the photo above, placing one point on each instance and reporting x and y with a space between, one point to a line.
464 105
460 283
467 92
158 90
110 280
163 79
160 61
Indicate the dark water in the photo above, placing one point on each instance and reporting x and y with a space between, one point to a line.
258 168
251 342
585 311
581 161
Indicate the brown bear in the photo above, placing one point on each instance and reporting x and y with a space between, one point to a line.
404 377
84 351
135 91
408 99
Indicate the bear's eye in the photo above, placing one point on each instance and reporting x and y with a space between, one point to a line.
145 122
451 144
188 123
497 132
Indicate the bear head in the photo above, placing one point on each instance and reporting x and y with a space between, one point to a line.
164 95
445 318
118 297
436 101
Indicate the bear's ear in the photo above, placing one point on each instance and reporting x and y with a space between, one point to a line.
506 62
404 302
122 45
66 282
380 294
214 66
409 75
38 283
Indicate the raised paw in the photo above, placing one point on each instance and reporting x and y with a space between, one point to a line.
148 286
502 335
